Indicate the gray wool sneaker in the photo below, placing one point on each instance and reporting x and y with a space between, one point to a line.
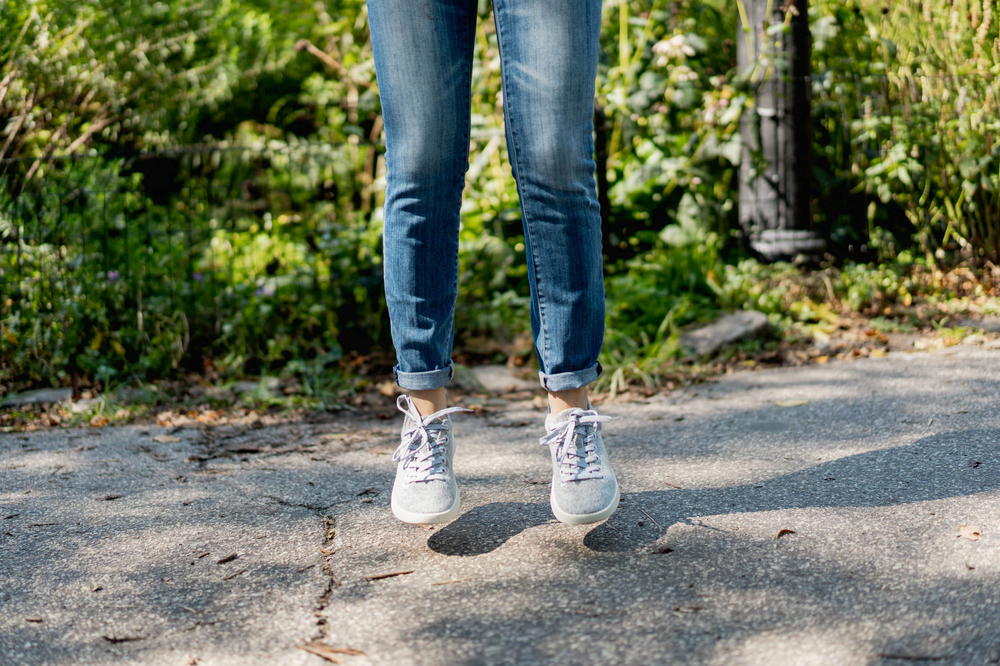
584 486
425 490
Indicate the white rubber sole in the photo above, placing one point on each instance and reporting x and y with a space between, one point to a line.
584 518
426 518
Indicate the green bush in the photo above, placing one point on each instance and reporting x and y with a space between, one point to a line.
909 105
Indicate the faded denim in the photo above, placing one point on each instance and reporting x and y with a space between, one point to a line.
423 53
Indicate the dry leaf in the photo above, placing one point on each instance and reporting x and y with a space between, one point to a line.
165 418
209 416
970 532
879 353
100 421
790 403
783 532
822 359
166 439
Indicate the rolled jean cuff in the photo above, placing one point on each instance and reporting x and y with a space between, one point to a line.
424 381
564 381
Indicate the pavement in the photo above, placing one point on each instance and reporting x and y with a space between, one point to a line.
845 513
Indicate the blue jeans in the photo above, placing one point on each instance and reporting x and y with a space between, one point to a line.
423 61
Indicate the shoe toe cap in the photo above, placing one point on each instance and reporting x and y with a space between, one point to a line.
425 497
585 497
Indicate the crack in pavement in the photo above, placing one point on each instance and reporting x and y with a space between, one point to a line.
326 552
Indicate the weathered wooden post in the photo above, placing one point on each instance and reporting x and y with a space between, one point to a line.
775 170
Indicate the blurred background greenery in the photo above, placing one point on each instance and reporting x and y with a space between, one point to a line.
220 211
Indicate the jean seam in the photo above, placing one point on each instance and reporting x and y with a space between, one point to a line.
517 171
470 46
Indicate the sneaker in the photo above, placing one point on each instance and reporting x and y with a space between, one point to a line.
425 490
584 486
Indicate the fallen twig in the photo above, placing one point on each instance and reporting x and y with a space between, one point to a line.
388 575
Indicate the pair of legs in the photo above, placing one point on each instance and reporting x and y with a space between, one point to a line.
423 53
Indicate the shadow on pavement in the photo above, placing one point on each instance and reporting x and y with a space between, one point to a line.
487 527
950 464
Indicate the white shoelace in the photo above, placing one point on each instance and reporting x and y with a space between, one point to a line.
423 450
575 450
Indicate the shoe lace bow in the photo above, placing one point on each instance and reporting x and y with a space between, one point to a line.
423 449
575 449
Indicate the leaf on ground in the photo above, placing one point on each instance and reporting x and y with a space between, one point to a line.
208 416
783 532
108 498
970 532
35 620
228 558
329 652
166 439
790 403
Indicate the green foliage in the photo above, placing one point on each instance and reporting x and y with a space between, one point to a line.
909 105
261 256
657 294
241 294
673 141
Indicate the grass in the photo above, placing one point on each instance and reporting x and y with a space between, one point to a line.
816 316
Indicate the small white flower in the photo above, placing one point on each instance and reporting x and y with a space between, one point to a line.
675 48
684 73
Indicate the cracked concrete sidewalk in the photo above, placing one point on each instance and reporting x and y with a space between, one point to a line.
846 513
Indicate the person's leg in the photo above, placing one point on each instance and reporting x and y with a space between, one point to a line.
423 62
549 59
549 54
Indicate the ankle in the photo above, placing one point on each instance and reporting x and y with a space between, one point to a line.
562 400
429 401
